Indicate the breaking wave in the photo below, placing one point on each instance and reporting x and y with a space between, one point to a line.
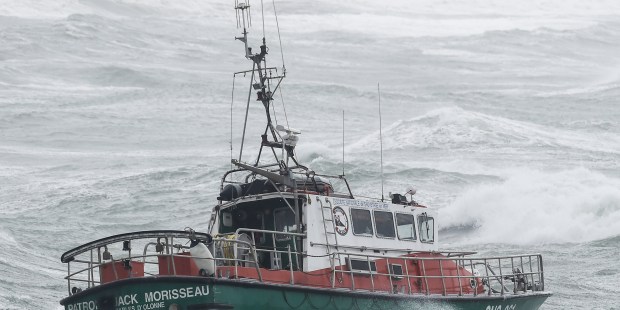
534 207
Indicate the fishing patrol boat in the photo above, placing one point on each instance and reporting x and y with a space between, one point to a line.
283 236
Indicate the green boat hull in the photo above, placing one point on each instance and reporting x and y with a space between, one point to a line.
194 293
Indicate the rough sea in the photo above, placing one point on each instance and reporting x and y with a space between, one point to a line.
115 116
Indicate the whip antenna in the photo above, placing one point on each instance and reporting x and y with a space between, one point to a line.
262 11
342 142
232 101
380 141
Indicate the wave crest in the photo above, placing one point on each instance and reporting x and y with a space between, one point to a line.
456 128
532 207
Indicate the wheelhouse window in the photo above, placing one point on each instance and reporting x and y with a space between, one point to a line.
284 222
426 225
361 265
384 223
362 222
405 226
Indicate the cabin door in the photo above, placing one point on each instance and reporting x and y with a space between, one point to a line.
284 221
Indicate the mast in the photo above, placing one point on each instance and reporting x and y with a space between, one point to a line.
264 94
261 83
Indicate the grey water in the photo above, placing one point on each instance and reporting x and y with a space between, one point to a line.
115 116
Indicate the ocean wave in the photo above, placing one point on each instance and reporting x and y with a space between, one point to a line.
613 241
83 26
59 8
27 117
487 7
118 76
38 9
446 18
6 238
454 128
607 88
532 207
62 8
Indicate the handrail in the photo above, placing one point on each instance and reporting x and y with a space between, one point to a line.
409 251
503 262
71 275
70 255
330 177
267 232
93 265
274 234
510 274
437 258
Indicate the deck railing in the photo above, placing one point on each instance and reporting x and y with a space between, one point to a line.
92 257
498 275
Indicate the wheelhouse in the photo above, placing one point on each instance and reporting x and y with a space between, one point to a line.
313 222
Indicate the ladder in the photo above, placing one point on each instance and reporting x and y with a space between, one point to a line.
331 237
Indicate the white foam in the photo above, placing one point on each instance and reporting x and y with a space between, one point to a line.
533 207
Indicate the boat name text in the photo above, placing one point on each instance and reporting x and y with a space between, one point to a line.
360 203
152 300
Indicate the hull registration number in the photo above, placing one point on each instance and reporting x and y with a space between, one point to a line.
500 307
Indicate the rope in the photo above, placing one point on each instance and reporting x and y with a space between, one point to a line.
275 116
319 308
283 105
350 305
289 304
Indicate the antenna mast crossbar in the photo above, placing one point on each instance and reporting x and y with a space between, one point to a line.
248 71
